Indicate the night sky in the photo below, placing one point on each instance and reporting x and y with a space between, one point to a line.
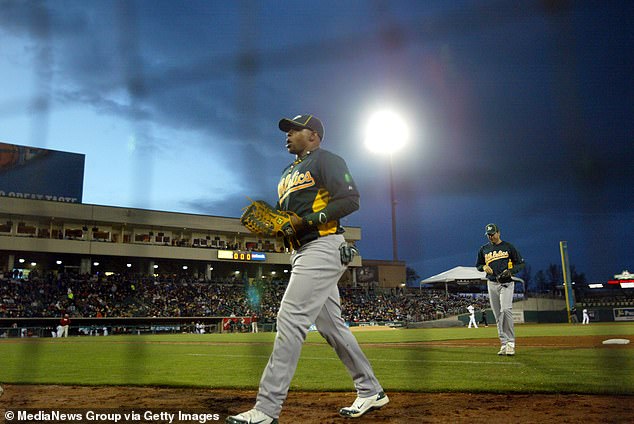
519 114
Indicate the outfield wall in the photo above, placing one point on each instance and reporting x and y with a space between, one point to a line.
44 327
521 315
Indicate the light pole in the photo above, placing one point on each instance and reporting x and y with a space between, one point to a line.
393 202
387 133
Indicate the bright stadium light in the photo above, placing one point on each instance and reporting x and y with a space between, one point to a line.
386 132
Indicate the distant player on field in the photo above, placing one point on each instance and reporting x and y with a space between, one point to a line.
472 320
586 317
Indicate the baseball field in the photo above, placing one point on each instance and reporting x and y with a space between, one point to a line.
561 373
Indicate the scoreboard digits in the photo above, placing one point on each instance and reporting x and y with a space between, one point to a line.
238 255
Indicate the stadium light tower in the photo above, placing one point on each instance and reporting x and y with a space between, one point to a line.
387 133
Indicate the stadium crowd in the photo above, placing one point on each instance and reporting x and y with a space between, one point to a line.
120 295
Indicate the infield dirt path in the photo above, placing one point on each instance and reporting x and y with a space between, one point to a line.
321 408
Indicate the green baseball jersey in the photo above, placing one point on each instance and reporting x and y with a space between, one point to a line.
499 257
319 188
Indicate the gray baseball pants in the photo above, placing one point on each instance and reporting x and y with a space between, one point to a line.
501 298
312 296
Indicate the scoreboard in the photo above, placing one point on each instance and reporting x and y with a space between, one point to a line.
239 255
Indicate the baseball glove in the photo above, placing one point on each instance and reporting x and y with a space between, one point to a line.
505 276
261 218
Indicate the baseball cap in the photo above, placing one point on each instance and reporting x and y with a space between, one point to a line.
491 229
303 122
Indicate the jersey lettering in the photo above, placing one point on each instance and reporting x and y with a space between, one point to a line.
294 182
495 255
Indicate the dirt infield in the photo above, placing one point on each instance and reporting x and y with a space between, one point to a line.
321 408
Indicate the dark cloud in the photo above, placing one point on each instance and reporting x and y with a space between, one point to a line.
521 112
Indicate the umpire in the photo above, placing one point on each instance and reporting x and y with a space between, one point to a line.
501 260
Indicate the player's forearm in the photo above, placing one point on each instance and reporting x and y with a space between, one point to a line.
335 210
517 268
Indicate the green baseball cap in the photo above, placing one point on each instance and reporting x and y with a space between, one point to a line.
491 229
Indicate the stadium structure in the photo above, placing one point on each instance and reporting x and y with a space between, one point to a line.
49 236
45 227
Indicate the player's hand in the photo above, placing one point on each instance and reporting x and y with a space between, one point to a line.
297 222
488 269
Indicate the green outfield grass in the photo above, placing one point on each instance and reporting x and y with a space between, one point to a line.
237 361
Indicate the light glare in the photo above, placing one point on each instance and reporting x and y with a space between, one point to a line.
387 132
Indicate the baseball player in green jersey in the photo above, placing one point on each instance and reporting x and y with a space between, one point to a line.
318 187
501 260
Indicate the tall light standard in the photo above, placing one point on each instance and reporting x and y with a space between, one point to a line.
387 133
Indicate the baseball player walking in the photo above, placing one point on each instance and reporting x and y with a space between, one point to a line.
501 260
317 187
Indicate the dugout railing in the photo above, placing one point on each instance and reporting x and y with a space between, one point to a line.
47 327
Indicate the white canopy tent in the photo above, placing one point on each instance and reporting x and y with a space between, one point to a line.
460 275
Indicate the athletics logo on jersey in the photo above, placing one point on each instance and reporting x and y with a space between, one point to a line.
294 182
495 255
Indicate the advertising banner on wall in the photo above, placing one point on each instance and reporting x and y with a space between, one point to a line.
41 174
623 314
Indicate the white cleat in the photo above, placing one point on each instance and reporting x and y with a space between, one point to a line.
362 405
252 416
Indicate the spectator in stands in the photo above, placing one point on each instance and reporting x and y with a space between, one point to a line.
168 295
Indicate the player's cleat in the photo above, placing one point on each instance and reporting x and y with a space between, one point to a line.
510 349
502 351
1 390
362 405
252 416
